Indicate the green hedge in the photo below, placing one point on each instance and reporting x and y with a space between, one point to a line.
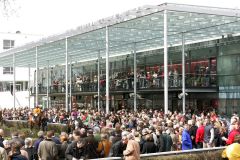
205 155
22 126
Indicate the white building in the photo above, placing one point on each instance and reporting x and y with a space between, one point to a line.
8 41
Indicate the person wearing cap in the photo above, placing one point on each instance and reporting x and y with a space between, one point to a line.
233 133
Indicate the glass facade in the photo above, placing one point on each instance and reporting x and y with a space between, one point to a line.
208 71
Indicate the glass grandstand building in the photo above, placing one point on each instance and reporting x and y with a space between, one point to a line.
169 57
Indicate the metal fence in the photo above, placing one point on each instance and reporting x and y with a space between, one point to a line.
149 155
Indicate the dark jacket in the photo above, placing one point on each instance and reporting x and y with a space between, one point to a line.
17 156
167 141
91 147
160 143
192 132
32 153
74 151
37 142
62 149
149 147
117 149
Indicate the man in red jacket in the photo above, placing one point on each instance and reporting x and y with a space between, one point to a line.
200 135
233 133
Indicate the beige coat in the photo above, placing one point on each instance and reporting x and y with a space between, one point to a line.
132 151
3 154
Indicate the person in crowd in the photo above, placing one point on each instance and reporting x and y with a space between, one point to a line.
233 133
199 135
132 151
104 145
3 154
160 142
55 138
7 146
186 139
167 141
47 149
22 151
63 146
1 138
15 152
192 132
91 145
149 146
40 135
208 134
232 151
32 152
15 137
76 150
118 147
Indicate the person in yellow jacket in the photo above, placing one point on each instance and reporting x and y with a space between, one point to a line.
36 111
232 152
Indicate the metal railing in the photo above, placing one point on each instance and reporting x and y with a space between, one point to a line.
168 153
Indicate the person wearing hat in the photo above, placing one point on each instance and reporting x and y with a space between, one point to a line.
233 133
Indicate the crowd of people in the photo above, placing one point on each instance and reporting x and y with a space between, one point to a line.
94 134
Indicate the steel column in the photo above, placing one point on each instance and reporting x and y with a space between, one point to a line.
135 77
29 86
165 64
98 81
107 71
14 81
48 84
70 87
36 82
66 74
183 75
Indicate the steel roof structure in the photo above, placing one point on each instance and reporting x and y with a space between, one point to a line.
141 27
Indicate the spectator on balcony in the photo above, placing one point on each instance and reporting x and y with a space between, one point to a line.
175 78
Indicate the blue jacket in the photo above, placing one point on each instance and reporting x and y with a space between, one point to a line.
186 140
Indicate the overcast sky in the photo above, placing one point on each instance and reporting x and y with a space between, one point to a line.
46 17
